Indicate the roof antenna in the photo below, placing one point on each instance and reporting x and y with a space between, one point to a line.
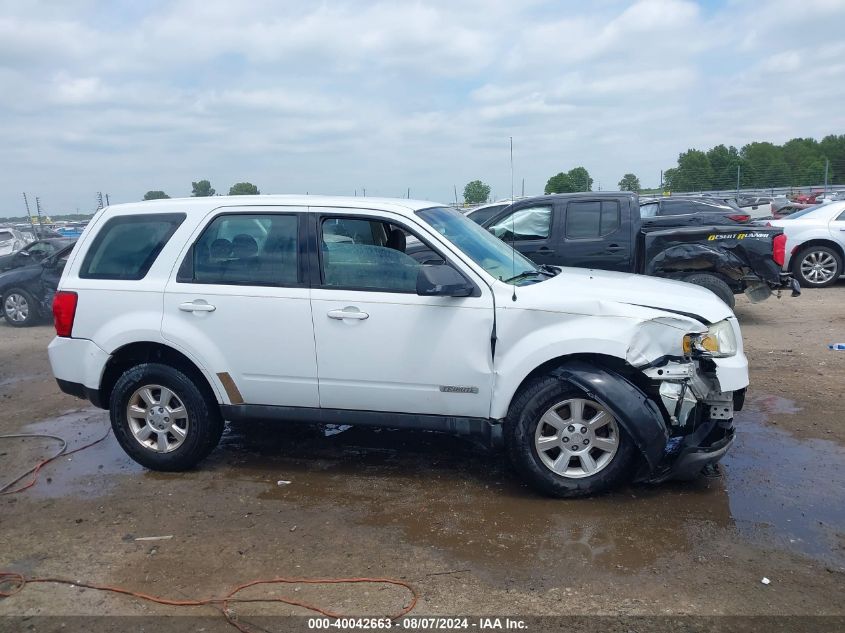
513 230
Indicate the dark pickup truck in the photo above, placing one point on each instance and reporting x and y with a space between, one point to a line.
604 230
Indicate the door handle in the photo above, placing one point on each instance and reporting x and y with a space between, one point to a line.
543 249
348 313
614 247
196 306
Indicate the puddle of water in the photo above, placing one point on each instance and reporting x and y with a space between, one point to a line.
83 474
448 494
786 490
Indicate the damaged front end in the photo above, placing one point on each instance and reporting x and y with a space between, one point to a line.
697 388
699 414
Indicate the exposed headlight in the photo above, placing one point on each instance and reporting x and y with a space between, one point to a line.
717 342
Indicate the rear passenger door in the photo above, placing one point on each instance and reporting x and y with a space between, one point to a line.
239 301
597 234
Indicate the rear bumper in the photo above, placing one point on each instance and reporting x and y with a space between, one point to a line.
81 391
77 361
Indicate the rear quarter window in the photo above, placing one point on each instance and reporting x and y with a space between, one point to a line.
127 246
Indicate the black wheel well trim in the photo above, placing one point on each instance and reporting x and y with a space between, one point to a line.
620 388
139 352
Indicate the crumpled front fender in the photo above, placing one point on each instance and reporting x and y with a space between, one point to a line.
639 416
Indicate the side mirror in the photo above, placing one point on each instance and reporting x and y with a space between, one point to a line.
24 254
442 281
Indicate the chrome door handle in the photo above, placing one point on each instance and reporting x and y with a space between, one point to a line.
192 306
348 313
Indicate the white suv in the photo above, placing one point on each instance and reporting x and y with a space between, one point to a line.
179 314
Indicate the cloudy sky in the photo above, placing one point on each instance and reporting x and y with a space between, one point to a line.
329 97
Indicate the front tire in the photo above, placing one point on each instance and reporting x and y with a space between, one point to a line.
163 419
817 267
564 443
19 308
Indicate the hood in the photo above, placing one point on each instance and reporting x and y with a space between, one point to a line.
584 284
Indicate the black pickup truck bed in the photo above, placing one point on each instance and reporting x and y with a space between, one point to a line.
604 230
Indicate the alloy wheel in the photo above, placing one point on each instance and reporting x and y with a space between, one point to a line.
818 267
16 308
576 438
157 418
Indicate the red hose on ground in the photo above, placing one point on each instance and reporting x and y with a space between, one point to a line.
19 581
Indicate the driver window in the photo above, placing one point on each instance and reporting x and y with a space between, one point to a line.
533 223
648 210
367 255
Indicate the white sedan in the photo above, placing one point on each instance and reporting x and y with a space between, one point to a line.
815 244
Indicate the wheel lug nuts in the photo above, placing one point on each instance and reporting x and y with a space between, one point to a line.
586 442
565 439
583 429
574 447
570 428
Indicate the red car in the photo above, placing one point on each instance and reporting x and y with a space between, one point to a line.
809 198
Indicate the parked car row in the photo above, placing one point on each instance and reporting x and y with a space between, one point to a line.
688 239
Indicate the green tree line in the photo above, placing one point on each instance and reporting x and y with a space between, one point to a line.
798 162
203 189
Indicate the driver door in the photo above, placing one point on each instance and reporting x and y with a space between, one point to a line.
382 347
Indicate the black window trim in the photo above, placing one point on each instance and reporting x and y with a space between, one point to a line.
314 242
177 220
301 257
601 236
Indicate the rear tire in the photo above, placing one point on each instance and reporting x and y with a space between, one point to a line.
714 285
19 308
817 267
163 419
564 444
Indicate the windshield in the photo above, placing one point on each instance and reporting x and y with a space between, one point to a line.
491 253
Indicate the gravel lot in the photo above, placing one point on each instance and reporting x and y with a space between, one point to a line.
441 512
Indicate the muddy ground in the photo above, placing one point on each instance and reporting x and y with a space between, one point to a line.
440 512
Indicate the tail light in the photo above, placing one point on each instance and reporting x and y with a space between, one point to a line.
737 217
779 249
64 311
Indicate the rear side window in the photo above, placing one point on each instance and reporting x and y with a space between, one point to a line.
245 250
679 207
585 220
127 246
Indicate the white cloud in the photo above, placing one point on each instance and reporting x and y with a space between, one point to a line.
336 96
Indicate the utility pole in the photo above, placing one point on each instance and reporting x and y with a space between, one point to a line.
108 204
523 187
99 200
409 193
29 215
38 211
826 168
456 194
365 192
661 182
737 179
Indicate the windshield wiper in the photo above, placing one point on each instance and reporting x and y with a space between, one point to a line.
550 270
525 274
